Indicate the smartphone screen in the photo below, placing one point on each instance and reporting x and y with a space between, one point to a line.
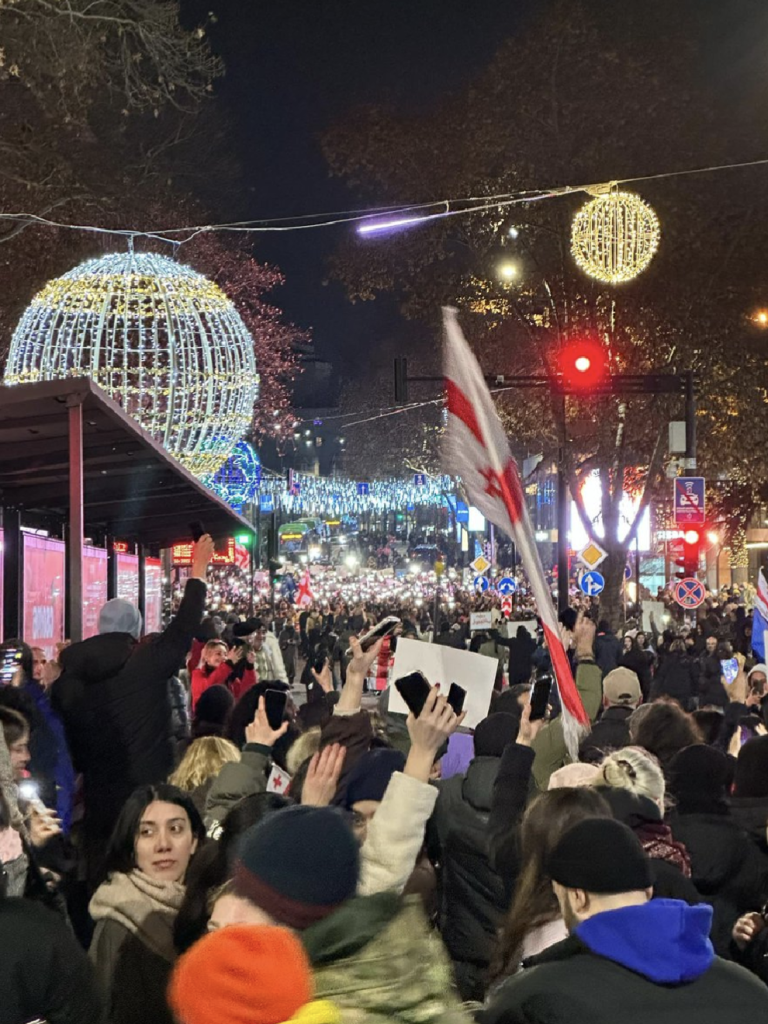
382 629
274 705
730 668
540 697
11 661
414 689
456 696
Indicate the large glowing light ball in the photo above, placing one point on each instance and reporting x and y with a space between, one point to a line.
159 338
615 236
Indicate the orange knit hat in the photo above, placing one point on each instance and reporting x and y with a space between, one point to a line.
243 974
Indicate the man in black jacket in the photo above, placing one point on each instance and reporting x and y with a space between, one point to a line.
621 695
113 698
628 958
607 647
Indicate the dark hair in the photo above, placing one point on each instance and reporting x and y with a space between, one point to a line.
665 730
603 626
121 850
214 866
212 712
546 819
709 722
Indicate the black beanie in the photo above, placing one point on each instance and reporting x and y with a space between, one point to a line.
299 865
370 775
494 733
751 779
600 855
699 777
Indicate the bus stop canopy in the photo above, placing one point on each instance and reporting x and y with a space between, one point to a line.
56 433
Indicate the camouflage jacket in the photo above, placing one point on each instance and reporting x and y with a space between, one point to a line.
377 960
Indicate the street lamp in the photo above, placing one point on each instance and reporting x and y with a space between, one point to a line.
508 271
760 318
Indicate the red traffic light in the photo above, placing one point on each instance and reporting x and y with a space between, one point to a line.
691 536
582 365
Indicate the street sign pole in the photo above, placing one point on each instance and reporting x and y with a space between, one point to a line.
562 515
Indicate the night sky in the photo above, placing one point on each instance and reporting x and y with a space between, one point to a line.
294 67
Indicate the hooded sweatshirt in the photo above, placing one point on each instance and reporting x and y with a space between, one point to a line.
637 965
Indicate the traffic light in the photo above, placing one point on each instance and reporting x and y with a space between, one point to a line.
688 555
582 365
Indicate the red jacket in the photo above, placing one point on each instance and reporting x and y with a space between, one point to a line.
204 677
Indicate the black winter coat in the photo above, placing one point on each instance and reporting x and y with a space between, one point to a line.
727 869
472 893
568 984
711 689
610 732
640 663
751 814
608 650
43 972
113 698
677 677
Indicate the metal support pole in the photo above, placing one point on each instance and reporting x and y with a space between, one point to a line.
562 517
76 524
690 421
12 573
111 568
140 551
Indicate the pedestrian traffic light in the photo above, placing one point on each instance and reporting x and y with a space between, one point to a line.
582 365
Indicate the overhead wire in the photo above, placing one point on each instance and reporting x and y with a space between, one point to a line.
312 221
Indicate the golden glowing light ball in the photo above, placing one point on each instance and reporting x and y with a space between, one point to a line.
615 236
161 339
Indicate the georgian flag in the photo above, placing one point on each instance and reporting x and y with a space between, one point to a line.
304 595
476 449
760 618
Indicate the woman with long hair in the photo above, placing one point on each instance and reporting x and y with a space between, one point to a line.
156 836
204 759
533 922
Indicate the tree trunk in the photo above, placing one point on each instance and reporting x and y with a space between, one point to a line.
612 597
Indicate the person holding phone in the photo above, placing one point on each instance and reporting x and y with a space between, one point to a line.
112 696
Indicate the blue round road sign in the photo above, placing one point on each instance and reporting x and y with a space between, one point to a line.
506 586
689 593
592 583
627 573
481 583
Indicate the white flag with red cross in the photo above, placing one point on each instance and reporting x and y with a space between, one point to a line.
304 595
477 450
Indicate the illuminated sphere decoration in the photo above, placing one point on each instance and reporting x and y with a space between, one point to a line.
159 338
237 480
614 236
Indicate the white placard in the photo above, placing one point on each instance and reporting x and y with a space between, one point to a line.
446 665
659 611
480 620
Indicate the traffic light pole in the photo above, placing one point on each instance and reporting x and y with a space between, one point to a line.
563 573
613 384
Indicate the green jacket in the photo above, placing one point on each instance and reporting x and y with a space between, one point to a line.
378 961
549 746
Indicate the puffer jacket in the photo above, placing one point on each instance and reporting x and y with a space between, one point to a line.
727 869
678 678
472 900
377 960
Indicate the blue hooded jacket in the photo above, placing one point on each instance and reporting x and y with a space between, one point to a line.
667 941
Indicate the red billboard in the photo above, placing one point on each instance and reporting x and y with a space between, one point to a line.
94 588
153 595
43 611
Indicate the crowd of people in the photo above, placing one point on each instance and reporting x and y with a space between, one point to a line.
175 849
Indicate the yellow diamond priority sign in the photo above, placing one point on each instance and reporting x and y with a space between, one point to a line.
481 564
592 555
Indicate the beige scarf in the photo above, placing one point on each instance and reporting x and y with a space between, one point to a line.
147 909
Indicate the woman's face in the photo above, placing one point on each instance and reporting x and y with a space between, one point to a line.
164 842
627 643
20 756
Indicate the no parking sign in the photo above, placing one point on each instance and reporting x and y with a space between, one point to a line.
689 593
